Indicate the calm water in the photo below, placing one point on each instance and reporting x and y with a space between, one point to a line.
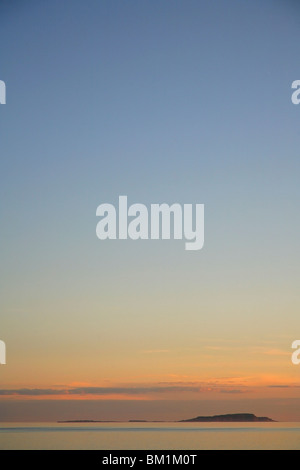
134 436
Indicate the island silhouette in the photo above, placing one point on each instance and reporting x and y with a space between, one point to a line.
228 418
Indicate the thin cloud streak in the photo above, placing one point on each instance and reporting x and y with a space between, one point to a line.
97 391
36 392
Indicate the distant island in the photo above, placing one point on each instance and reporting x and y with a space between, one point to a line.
229 418
88 421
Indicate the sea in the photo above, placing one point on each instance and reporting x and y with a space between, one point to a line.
149 436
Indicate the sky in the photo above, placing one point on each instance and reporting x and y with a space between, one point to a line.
162 101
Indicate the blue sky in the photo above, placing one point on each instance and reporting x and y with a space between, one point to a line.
164 101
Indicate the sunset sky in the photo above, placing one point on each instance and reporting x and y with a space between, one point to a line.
162 101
